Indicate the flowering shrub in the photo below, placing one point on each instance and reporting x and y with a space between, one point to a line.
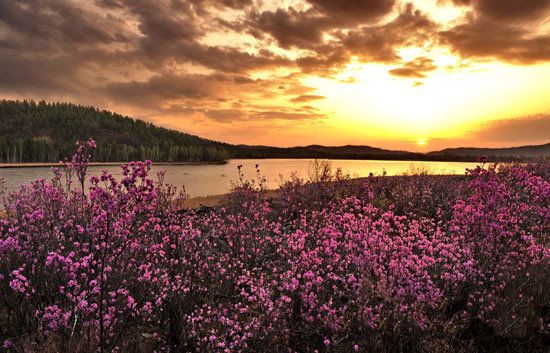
394 264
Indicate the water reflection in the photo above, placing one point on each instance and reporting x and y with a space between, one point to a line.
204 180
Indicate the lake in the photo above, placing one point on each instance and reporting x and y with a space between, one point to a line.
215 179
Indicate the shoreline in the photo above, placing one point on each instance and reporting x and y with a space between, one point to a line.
95 164
100 164
198 202
214 200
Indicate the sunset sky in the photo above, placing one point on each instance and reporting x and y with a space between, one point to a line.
416 75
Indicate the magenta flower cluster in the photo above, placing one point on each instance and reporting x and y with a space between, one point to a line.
420 263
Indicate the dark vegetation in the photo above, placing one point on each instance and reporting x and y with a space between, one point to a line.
385 264
46 132
373 153
496 153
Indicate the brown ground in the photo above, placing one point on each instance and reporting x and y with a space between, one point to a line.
214 200
209 201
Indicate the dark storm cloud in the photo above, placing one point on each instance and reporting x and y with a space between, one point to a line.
372 43
507 10
380 43
163 87
237 4
455 2
225 59
326 62
244 80
305 28
415 69
289 28
109 4
503 30
171 32
513 10
533 128
364 10
202 6
367 43
306 98
481 38
160 24
45 45
40 76
56 25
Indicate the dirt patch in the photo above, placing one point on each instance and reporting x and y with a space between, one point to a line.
214 200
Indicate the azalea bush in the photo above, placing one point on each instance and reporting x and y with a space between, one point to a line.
391 264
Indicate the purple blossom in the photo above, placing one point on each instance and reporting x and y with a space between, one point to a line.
338 266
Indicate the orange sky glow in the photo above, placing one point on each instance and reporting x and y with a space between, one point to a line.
415 75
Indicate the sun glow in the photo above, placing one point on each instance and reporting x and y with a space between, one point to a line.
448 103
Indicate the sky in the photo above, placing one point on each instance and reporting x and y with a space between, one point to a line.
416 75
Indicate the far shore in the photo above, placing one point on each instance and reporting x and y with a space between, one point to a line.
412 160
99 164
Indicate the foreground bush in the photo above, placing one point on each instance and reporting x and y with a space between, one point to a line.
405 264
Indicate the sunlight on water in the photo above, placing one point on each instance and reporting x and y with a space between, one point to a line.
204 180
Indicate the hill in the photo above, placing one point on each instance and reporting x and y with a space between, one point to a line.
33 132
318 151
510 152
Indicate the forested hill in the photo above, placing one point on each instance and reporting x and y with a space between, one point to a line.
523 151
317 151
47 132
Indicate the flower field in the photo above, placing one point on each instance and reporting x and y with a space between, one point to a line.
385 264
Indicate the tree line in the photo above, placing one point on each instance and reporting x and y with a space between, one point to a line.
41 132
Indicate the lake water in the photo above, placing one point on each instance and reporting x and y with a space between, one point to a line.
215 179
